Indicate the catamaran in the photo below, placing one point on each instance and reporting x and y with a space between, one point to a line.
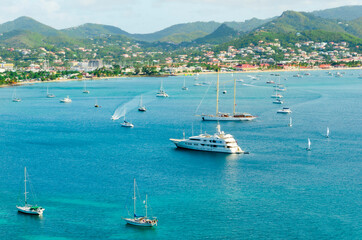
49 95
27 208
85 88
161 92
219 142
226 116
141 221
278 101
141 108
15 98
184 87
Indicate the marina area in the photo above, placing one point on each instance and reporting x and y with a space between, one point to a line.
82 162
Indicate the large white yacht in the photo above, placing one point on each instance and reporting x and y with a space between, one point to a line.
219 142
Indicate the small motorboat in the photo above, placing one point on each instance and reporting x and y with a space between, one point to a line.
66 100
284 110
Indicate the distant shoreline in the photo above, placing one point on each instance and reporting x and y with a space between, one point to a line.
179 74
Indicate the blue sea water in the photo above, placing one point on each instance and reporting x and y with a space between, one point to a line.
81 164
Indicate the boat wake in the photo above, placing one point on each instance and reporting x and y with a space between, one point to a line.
132 104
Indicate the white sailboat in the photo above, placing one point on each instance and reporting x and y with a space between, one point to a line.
184 87
49 95
15 98
161 92
27 208
125 123
85 88
141 108
141 221
290 122
309 143
96 104
327 135
226 116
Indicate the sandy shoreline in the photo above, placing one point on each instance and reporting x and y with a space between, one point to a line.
182 74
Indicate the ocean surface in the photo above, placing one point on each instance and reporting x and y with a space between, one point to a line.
81 164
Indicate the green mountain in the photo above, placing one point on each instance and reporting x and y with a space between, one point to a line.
28 24
89 30
222 34
247 25
291 21
180 32
341 13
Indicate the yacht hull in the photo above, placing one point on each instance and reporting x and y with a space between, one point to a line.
134 222
182 144
27 210
230 118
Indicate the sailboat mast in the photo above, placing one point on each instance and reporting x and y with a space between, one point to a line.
134 197
234 96
25 184
217 94
146 206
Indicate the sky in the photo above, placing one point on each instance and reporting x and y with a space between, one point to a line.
146 16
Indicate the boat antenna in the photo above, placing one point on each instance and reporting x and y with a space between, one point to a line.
217 93
134 197
25 185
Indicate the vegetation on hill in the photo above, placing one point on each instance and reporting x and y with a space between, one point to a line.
342 13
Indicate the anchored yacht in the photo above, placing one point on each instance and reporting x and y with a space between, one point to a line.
226 116
284 110
219 142
66 100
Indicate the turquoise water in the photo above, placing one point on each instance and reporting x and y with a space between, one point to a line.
82 164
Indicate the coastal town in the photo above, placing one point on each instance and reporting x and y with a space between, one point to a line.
50 63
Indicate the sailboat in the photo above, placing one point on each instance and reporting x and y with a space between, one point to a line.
96 104
85 88
308 148
15 98
184 87
327 135
49 95
125 123
141 221
27 208
290 122
226 116
161 92
141 108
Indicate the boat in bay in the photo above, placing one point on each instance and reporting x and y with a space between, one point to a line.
66 100
141 107
219 142
184 86
85 88
227 116
161 92
15 98
140 221
285 110
50 95
28 208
